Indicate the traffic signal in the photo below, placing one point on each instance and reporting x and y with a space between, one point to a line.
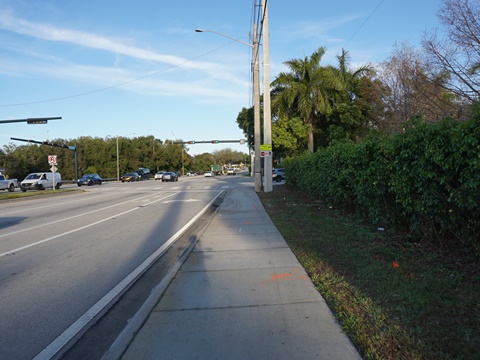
214 141
191 142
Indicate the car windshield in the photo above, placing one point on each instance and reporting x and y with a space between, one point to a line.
33 176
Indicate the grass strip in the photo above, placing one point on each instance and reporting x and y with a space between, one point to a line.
20 194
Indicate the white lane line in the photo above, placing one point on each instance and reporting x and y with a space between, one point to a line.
59 343
75 216
77 229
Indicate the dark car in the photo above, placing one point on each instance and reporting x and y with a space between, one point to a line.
89 180
129 177
169 176
144 173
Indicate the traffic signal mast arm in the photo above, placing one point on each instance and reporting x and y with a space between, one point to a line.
242 141
46 143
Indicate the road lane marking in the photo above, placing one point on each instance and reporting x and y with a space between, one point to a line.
74 230
76 216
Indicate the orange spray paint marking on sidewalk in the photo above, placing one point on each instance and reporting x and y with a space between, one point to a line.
286 276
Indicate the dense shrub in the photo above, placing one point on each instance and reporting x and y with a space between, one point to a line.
425 180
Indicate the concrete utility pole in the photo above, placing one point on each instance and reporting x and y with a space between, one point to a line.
256 110
267 112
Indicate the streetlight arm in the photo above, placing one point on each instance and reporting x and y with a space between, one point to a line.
218 33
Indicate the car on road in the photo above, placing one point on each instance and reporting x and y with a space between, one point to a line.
144 173
129 177
278 174
209 174
8 184
200 172
191 173
231 172
41 181
159 175
169 176
89 180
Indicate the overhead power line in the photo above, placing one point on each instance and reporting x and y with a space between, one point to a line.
365 21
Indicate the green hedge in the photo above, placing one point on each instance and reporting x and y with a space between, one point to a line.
425 180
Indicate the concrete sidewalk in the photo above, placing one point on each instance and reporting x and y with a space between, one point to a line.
241 294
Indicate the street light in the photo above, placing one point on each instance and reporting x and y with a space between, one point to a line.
256 100
218 33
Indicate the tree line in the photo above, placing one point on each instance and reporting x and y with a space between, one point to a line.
99 155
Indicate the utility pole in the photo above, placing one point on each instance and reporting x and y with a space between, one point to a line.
256 111
267 112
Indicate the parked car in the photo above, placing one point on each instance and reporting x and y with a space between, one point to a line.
159 175
191 173
89 180
200 172
208 173
278 174
169 176
231 172
130 176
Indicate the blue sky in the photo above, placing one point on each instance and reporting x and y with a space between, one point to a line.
138 68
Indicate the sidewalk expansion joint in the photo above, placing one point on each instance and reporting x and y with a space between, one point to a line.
320 301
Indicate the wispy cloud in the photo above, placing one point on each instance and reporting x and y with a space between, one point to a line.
214 77
9 22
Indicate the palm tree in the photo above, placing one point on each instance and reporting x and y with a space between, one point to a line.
348 77
307 91
350 116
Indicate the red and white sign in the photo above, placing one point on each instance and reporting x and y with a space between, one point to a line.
52 159
265 154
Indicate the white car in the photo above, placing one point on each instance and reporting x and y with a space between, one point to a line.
278 174
231 172
159 175
208 174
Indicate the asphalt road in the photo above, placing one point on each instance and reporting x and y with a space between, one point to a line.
65 259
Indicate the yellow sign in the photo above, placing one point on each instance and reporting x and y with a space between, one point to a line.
266 147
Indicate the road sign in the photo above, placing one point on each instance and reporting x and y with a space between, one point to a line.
266 147
53 168
52 159
265 154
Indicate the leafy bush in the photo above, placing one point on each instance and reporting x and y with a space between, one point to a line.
425 180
